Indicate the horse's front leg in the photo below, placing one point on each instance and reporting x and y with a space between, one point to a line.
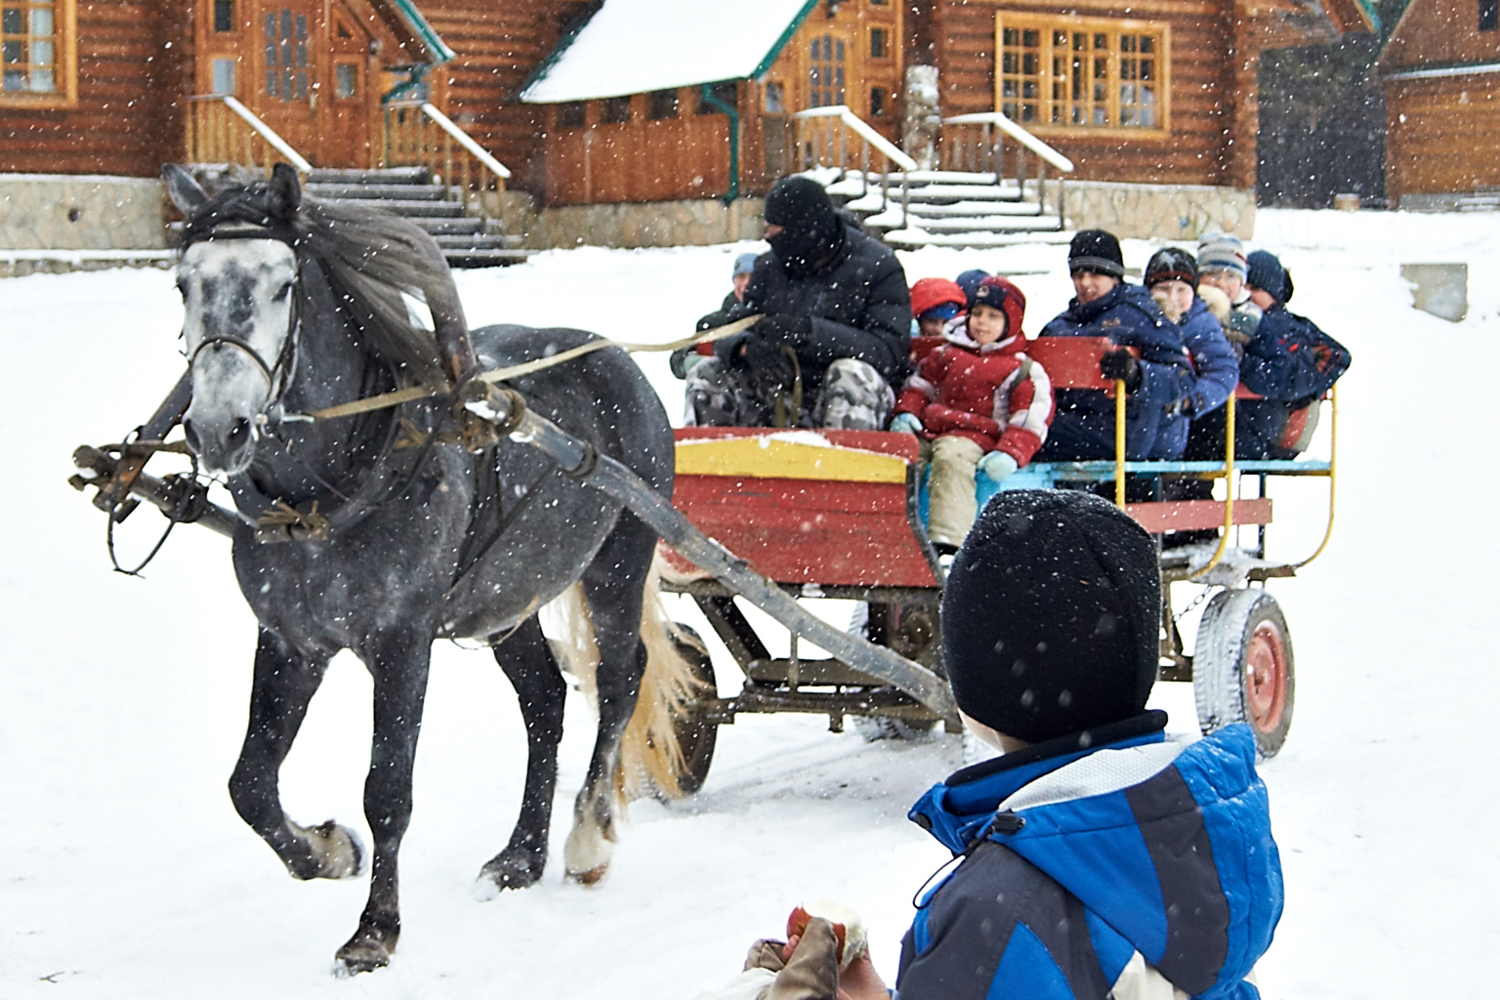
398 662
285 681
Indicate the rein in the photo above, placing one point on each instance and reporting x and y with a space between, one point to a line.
389 399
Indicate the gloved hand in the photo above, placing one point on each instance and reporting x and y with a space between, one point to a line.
1121 365
997 465
907 423
784 328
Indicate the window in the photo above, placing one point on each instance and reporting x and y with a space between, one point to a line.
35 65
725 93
616 110
286 62
570 115
663 104
1489 15
225 73
223 16
346 81
1082 73
775 98
877 102
826 72
880 43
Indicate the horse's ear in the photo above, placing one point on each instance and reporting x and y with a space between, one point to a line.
285 192
185 192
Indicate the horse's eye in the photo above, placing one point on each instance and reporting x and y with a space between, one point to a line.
282 292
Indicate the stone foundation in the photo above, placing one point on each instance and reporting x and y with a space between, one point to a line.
627 224
83 212
1156 211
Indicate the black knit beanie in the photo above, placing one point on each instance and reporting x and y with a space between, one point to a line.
1171 264
1264 271
1051 615
810 226
1098 251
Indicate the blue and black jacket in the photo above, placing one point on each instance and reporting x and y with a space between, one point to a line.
1214 362
1155 424
1085 859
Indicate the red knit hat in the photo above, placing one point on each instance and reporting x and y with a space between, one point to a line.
1000 294
930 293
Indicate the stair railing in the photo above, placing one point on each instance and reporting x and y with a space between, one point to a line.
826 137
219 129
416 134
976 142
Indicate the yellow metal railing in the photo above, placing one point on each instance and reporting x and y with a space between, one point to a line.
417 134
219 129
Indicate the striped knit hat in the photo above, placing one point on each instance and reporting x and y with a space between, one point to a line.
1222 252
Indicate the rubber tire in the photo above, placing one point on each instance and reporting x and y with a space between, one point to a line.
696 737
1243 667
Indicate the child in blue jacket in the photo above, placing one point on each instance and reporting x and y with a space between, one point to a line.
1096 858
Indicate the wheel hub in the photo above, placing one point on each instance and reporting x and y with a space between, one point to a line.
1266 677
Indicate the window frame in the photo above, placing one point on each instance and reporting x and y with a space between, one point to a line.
64 64
1047 24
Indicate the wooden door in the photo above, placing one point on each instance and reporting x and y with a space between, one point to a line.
286 70
348 95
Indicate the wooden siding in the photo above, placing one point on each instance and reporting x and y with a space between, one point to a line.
1442 135
499 44
126 120
1202 95
1439 32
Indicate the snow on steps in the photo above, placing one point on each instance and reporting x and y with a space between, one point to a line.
944 208
465 241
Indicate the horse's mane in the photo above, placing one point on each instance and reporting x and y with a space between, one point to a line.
369 256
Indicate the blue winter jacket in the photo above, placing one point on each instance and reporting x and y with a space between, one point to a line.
1079 859
1214 362
1155 425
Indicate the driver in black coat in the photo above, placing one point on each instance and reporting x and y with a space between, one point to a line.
835 332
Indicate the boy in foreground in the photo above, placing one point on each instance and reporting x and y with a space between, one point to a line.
1098 859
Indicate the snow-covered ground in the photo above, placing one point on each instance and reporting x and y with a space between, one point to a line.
124 871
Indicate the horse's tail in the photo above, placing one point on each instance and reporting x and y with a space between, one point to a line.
651 759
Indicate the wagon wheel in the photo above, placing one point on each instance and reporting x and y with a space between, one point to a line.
696 735
912 632
1243 667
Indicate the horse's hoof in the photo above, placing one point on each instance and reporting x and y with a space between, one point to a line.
591 876
508 870
335 851
365 952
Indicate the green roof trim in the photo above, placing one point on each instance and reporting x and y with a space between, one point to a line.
563 44
1373 15
786 36
425 32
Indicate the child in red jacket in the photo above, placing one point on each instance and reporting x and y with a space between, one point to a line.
982 401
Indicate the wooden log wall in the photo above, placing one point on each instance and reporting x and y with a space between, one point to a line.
128 117
1442 135
499 44
1204 82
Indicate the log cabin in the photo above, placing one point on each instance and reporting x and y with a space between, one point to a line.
1441 73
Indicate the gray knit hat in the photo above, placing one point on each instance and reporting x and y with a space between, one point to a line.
1221 252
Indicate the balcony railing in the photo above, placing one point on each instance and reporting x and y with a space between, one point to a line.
222 130
416 134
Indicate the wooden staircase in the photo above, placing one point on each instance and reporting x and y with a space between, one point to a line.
950 208
466 241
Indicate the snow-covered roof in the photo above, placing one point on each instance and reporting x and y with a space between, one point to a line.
637 46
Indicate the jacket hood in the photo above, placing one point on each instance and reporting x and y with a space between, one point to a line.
1167 844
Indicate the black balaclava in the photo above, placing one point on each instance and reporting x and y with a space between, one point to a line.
1050 615
810 230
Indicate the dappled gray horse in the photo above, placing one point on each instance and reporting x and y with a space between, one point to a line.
377 533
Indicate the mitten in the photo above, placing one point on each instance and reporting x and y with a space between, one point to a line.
997 465
784 328
906 423
1121 365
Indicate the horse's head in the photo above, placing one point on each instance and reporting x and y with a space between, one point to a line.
237 277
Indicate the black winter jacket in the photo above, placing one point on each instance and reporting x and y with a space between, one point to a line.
859 304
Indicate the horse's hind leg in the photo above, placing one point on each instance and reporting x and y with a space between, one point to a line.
285 681
398 660
613 584
527 660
